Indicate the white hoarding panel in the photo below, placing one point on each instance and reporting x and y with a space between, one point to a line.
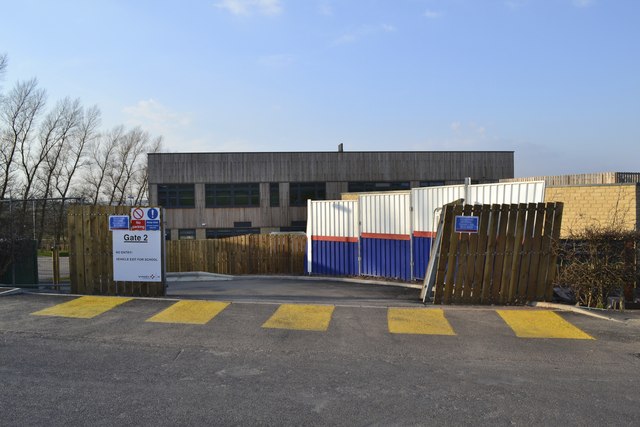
334 218
137 256
386 213
428 201
507 193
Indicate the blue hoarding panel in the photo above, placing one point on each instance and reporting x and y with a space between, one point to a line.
386 258
421 254
334 258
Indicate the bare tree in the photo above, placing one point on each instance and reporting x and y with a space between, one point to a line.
74 155
3 64
19 112
127 163
141 179
71 159
59 129
101 158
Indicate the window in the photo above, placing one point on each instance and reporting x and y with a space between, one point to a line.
431 183
232 195
295 226
167 234
361 187
274 194
176 195
218 233
187 234
242 224
300 192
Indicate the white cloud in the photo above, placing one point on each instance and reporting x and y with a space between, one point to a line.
247 7
363 32
583 3
280 60
325 8
155 117
515 4
468 135
433 14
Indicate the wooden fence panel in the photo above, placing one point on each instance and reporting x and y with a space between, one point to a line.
509 253
553 258
250 254
536 247
483 212
517 251
509 261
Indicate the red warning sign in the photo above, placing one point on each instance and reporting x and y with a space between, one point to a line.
138 224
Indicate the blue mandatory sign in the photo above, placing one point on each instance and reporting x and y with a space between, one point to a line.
466 224
118 222
152 213
153 225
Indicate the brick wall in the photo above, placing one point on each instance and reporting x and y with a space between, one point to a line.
600 205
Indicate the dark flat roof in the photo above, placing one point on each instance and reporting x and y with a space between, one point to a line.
329 152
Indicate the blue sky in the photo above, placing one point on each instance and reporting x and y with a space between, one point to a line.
556 81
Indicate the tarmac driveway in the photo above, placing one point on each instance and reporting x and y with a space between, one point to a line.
283 289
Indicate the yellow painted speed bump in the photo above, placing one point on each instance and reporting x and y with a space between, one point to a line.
423 321
541 324
301 317
83 307
190 312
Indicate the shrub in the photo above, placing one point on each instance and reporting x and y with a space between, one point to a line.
598 263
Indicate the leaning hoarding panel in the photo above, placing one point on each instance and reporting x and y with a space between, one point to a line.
427 204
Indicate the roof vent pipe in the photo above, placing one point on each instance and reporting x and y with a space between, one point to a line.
340 148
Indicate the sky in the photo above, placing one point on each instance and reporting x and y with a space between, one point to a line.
555 81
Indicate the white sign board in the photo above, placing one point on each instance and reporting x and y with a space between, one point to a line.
137 256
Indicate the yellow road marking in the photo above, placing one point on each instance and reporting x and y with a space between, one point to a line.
83 307
191 312
301 317
425 321
541 324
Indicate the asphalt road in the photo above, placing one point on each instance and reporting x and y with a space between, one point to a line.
295 289
118 369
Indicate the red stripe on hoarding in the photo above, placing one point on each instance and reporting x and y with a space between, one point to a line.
424 234
386 236
335 239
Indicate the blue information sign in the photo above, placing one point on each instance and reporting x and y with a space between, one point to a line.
466 224
153 225
118 222
152 213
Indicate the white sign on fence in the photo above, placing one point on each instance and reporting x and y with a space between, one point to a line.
137 256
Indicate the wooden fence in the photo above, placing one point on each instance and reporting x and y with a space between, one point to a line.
91 254
509 261
250 254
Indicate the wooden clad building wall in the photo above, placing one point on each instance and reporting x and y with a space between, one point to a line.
336 169
165 168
